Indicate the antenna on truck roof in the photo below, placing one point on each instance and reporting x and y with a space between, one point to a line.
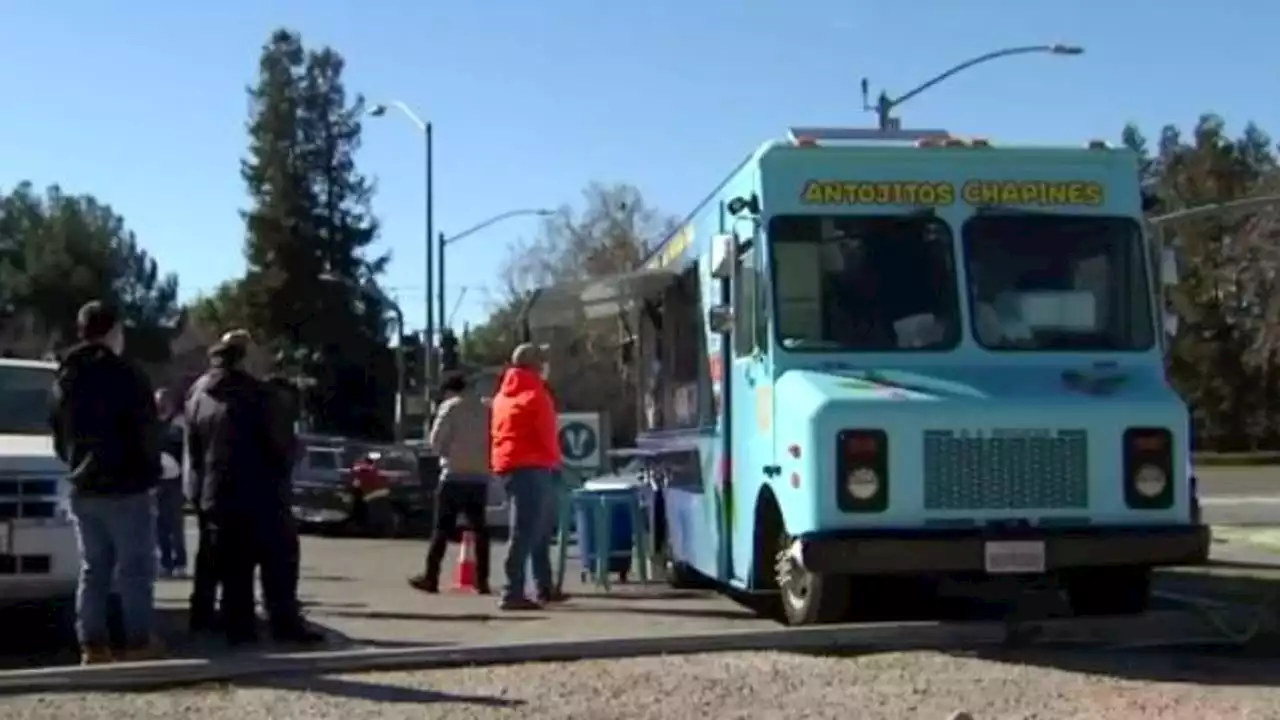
801 135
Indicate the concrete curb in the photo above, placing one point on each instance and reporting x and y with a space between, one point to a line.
871 637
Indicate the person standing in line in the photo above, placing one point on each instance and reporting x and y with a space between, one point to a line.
524 451
106 430
171 536
241 456
460 436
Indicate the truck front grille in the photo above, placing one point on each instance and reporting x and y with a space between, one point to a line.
28 497
1015 469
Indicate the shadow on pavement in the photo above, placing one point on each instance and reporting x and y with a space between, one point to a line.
1245 583
357 689
43 635
308 576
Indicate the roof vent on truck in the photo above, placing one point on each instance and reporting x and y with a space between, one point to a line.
803 136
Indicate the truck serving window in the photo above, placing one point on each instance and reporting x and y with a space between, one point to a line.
1057 282
868 283
24 400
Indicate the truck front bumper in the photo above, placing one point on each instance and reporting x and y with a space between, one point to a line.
917 552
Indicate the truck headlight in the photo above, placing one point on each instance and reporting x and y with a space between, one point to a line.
1150 481
861 480
863 483
1147 468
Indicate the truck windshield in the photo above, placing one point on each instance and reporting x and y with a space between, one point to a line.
1057 283
864 283
24 400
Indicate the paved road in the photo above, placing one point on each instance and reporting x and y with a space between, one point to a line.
1240 496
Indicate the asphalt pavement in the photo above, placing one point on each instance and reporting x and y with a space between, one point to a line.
1240 495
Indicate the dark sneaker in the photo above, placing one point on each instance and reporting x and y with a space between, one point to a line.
518 604
297 634
551 597
423 584
483 590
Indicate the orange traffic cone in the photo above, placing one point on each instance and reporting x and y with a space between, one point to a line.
466 576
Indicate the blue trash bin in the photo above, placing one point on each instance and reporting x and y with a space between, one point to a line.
617 502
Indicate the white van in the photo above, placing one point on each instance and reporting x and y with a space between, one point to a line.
39 559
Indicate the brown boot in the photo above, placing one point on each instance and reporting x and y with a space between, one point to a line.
153 649
96 655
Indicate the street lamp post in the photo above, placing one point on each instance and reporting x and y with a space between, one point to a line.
445 242
377 294
884 104
423 127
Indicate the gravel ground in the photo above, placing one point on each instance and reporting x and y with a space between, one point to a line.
748 685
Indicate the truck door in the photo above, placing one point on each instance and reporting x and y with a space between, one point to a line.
750 422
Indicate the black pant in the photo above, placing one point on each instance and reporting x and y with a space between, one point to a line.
204 586
468 499
232 547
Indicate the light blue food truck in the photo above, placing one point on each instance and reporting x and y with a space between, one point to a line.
876 355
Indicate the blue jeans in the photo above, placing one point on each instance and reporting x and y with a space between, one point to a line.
171 531
117 540
533 497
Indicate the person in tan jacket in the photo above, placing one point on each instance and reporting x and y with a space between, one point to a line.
460 436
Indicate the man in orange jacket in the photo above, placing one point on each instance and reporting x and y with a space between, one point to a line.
524 451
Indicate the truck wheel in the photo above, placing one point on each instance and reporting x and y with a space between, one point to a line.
808 598
1109 591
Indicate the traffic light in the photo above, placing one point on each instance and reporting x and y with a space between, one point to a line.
449 360
411 353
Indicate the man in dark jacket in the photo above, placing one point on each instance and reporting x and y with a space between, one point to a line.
241 451
105 428
171 537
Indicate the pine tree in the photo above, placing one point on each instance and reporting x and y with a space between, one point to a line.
282 265
360 370
306 238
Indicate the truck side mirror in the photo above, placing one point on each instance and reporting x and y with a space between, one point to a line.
1169 267
720 319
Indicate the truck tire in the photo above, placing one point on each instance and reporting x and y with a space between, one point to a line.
1109 591
804 597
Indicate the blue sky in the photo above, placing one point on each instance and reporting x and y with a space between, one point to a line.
142 103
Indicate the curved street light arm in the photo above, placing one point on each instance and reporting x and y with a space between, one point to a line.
540 212
885 104
414 117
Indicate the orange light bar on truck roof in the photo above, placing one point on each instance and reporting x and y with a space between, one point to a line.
806 141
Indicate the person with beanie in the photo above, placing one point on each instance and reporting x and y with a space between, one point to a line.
241 456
